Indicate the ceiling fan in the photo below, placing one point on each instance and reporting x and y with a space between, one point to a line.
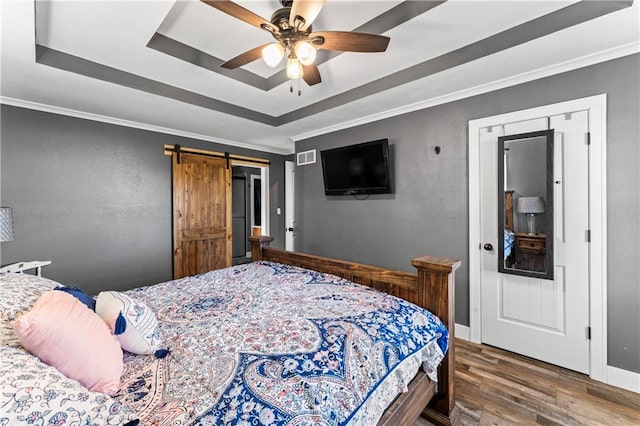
290 26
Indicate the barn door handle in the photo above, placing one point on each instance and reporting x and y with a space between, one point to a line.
488 247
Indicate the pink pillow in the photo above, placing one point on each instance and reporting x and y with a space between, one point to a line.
67 335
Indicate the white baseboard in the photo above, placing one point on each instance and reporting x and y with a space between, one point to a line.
462 331
623 379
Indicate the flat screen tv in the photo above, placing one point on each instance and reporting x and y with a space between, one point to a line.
357 169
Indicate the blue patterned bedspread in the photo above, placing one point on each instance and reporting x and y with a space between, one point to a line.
265 343
509 238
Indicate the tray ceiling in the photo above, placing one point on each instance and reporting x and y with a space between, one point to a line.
156 65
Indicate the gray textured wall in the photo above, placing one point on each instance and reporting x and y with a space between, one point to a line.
428 213
95 198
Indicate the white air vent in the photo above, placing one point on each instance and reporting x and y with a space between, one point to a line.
307 157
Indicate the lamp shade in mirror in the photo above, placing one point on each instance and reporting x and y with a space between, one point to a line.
530 205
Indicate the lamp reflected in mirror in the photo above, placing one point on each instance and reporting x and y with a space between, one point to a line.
531 206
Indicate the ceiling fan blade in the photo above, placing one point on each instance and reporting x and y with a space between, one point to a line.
239 12
308 10
245 58
311 74
346 41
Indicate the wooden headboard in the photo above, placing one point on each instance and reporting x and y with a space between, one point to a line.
508 210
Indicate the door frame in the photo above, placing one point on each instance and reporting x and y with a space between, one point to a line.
596 105
289 204
264 210
264 201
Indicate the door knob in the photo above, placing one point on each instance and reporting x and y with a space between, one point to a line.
290 229
488 247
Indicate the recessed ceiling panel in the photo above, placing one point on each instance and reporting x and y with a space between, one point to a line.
94 58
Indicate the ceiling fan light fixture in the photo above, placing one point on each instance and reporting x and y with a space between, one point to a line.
273 54
291 27
305 52
294 68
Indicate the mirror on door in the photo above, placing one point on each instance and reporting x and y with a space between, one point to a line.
525 204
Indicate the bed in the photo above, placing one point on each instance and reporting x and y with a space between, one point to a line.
298 357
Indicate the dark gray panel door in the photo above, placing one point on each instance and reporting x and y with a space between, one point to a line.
239 218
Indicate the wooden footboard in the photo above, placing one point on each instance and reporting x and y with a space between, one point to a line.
431 288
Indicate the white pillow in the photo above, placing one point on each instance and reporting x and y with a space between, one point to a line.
141 334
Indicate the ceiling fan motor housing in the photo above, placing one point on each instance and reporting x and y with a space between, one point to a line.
287 34
280 18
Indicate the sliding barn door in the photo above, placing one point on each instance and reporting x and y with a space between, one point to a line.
201 214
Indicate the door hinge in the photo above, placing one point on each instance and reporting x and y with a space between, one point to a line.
588 138
587 235
588 333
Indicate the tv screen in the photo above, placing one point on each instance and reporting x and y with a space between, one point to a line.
357 169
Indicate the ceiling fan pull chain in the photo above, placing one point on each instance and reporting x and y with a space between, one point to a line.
299 91
291 86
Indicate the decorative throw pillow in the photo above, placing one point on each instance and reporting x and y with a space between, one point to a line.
132 321
63 333
85 298
18 293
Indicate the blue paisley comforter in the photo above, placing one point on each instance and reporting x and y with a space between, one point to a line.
265 343
256 344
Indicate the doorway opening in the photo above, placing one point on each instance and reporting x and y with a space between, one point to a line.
247 209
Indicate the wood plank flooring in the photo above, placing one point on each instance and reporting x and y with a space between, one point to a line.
496 387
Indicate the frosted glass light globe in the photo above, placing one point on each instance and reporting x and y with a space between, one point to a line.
273 54
305 52
294 68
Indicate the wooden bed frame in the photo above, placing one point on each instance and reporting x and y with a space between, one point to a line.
431 288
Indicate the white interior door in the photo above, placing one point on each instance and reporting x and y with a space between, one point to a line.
540 318
289 194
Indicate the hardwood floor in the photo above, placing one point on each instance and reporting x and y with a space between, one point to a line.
496 387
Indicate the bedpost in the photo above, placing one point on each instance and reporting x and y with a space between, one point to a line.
257 244
436 285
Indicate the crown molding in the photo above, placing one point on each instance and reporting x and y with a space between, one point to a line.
584 61
136 125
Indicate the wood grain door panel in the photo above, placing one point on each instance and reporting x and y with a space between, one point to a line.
202 214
